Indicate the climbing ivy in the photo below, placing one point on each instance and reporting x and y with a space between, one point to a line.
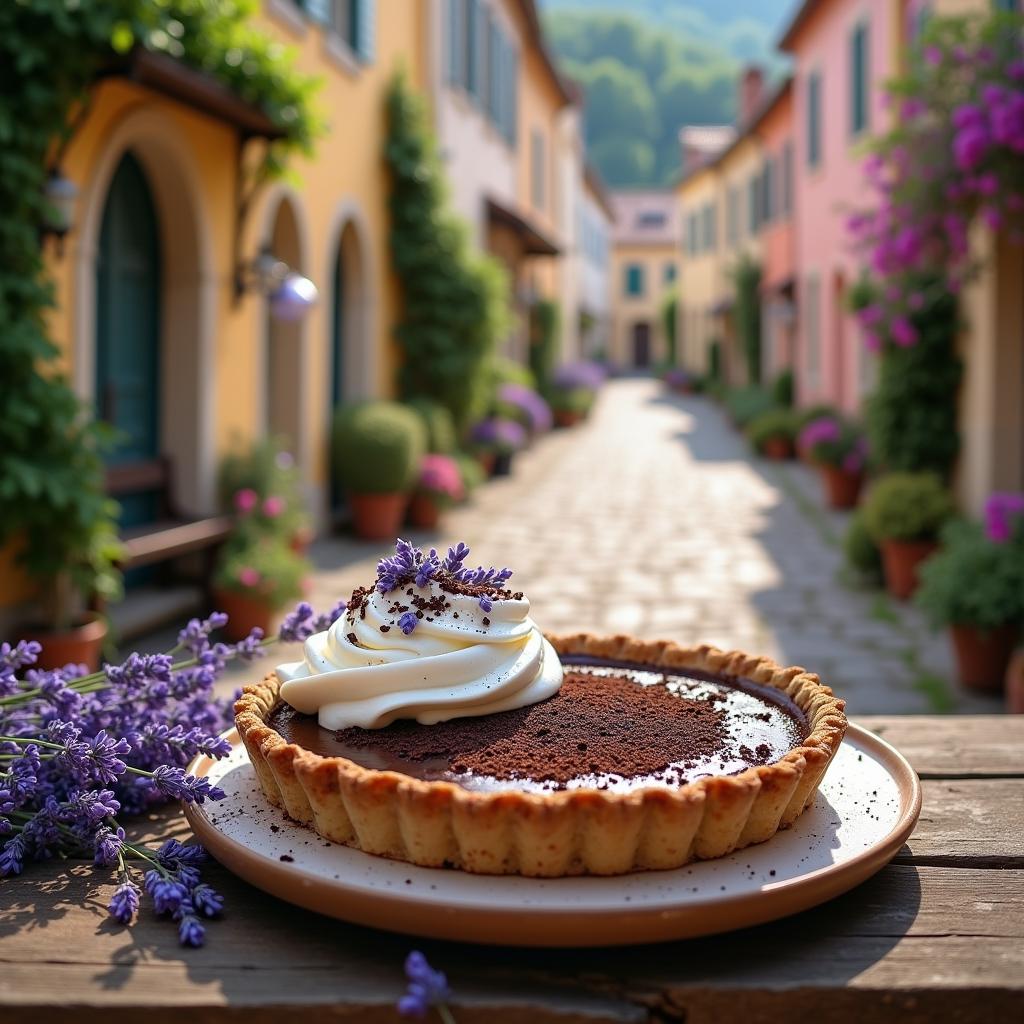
51 52
454 301
747 282
545 318
669 320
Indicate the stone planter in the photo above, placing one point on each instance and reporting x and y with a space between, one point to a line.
983 655
378 516
82 644
900 560
842 488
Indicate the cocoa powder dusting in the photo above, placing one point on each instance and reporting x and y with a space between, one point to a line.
594 724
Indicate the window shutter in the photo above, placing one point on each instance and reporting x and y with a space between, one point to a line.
473 47
512 106
365 28
318 10
455 41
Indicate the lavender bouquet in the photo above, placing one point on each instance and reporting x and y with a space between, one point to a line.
79 751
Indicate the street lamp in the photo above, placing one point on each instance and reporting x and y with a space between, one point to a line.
290 294
60 195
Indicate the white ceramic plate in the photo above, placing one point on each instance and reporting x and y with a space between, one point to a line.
865 810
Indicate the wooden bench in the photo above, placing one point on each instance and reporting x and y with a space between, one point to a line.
171 535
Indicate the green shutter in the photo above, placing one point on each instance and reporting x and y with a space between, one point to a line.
814 119
455 41
318 10
859 79
472 68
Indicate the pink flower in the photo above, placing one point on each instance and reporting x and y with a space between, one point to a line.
873 341
248 577
274 506
992 217
913 107
440 474
903 332
1002 513
932 56
986 184
915 301
246 499
970 147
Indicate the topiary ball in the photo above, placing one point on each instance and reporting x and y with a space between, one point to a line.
377 447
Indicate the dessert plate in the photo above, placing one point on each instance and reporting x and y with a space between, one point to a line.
865 810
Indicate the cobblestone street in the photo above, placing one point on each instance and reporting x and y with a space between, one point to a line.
654 519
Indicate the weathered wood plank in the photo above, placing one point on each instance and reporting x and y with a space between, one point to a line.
941 746
969 823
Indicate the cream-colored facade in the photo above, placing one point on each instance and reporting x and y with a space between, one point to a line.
699 201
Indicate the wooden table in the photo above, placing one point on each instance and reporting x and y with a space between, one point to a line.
937 935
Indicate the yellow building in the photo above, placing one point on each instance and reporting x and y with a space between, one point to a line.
645 267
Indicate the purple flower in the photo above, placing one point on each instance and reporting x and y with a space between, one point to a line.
108 845
124 904
297 624
933 56
903 332
191 931
583 375
173 854
174 782
498 434
455 557
207 901
529 403
970 146
426 988
327 619
407 622
820 431
1004 513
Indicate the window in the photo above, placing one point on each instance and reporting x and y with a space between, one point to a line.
859 78
708 240
537 168
669 273
471 64
915 20
693 233
754 203
814 119
787 179
732 216
813 337
634 279
769 190
1006 5
650 219
456 35
350 20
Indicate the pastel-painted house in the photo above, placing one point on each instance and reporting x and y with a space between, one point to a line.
594 240
774 125
645 266
842 50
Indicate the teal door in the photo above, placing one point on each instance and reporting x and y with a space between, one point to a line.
128 329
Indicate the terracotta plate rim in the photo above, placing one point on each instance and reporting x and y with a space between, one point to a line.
541 926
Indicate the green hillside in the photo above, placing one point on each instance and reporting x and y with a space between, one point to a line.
649 71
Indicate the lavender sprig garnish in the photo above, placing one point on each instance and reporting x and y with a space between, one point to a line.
410 564
426 989
78 750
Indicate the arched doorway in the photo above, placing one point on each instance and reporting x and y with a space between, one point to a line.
127 287
283 369
641 345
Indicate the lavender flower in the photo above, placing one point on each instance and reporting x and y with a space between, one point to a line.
79 750
407 623
124 904
427 988
456 556
528 404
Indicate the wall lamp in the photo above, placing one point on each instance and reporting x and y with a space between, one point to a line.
289 294
60 195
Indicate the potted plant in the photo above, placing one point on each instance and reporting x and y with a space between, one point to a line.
975 586
772 434
377 447
439 486
904 513
802 417
676 378
263 484
501 439
571 407
524 405
839 450
438 422
257 577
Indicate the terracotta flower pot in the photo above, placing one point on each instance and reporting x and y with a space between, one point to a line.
778 449
982 655
82 644
378 516
900 560
567 417
300 540
244 612
842 488
1015 683
424 511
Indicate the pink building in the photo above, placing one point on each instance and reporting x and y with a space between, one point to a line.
843 51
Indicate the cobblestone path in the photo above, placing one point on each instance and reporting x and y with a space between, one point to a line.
654 519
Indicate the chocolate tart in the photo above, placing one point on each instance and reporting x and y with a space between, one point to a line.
651 755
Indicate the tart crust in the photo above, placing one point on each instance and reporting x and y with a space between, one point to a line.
570 832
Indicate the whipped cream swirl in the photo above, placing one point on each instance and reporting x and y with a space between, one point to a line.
459 662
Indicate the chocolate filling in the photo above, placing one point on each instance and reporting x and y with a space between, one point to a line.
609 727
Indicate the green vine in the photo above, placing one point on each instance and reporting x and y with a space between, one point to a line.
52 496
747 280
669 320
454 302
545 317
